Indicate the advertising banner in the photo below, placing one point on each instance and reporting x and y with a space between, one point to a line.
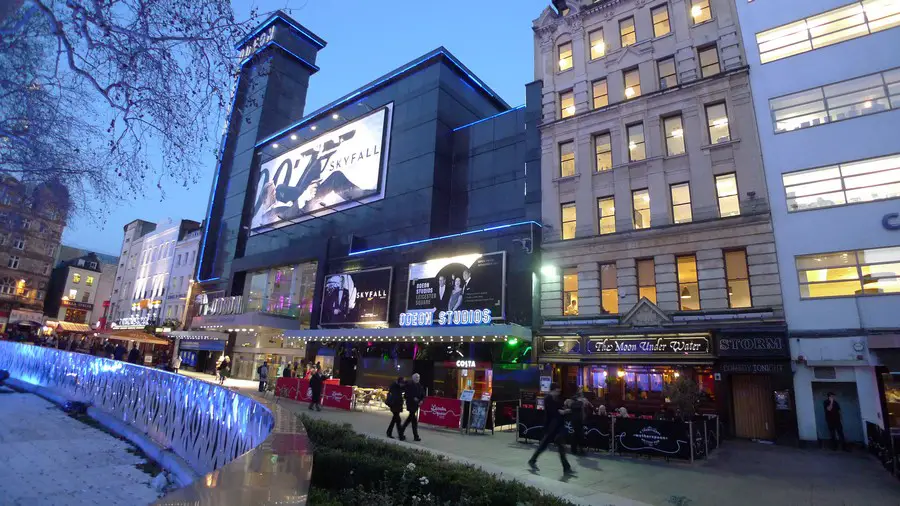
337 396
441 411
337 170
356 297
664 438
296 389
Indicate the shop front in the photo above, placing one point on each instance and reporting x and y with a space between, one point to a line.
199 350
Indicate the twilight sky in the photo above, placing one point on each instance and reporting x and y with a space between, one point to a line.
366 39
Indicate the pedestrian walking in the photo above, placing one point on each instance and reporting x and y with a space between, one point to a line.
263 372
287 371
223 370
553 428
176 363
315 384
134 356
576 417
415 393
394 402
833 420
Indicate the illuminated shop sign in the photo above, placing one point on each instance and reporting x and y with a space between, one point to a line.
426 318
131 322
258 42
680 345
221 305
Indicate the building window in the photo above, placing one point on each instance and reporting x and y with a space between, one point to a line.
568 221
681 203
609 292
601 94
73 294
849 273
674 135
626 32
86 297
646 279
836 102
567 159
641 202
598 46
567 104
603 152
19 243
727 193
688 287
76 278
570 292
3 239
700 11
13 262
709 61
717 122
51 250
632 83
93 265
46 269
7 286
846 183
660 16
837 25
89 281
636 144
667 77
565 56
607 213
26 223
738 279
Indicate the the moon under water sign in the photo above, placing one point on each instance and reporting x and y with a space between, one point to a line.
426 318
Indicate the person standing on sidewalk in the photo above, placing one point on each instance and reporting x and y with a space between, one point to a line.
176 363
394 402
833 420
263 375
315 384
553 429
415 393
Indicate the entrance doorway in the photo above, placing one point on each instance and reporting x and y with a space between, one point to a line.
845 394
754 414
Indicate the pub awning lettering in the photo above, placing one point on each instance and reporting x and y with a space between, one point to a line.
649 345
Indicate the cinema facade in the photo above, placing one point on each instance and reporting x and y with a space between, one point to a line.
395 230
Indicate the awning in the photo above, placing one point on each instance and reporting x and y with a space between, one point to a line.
73 327
136 336
470 333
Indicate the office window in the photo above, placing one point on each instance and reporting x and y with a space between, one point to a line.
607 213
646 274
570 292
598 45
568 221
19 243
688 287
738 278
626 32
565 56
666 69
700 11
717 122
567 104
89 281
727 193
846 183
681 203
636 146
603 152
632 83
609 292
837 25
601 93
13 262
849 273
76 278
567 159
709 61
674 135
641 203
660 16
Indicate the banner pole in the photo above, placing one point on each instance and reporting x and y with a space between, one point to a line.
691 439
517 421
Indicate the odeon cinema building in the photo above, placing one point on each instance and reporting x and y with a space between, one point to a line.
392 231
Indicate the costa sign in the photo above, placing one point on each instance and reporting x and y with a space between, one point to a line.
681 345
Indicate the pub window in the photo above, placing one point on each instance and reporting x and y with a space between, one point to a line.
607 212
688 286
570 291
603 152
601 93
598 46
568 221
641 203
565 56
681 203
609 292
567 159
738 279
626 32
646 275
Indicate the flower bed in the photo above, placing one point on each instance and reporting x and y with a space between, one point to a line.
349 468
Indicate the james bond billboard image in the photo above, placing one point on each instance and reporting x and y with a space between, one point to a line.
356 297
337 170
461 283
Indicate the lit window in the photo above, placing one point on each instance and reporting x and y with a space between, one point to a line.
846 183
570 292
13 262
646 279
674 135
89 281
86 297
566 104
598 46
568 221
567 159
601 95
607 213
700 11
660 16
609 292
849 273
709 61
632 83
738 279
626 32
667 77
641 203
727 193
76 278
565 56
636 146
717 121
688 287
73 293
681 203
603 152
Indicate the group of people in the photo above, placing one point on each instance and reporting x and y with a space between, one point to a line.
96 346
413 393
312 373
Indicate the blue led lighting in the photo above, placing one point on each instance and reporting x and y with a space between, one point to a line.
489 117
432 239
286 50
315 39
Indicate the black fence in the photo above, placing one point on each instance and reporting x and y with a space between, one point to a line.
670 439
884 445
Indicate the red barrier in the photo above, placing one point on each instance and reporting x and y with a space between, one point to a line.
293 388
441 411
337 396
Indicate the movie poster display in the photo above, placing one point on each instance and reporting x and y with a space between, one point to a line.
356 297
462 283
337 170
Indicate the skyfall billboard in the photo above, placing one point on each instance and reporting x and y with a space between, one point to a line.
465 282
338 170
356 297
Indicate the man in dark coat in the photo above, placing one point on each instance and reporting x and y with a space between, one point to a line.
415 394
134 356
394 402
315 384
554 426
833 420
119 351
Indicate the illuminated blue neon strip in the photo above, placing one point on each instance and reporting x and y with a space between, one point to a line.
489 117
286 50
315 39
432 239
